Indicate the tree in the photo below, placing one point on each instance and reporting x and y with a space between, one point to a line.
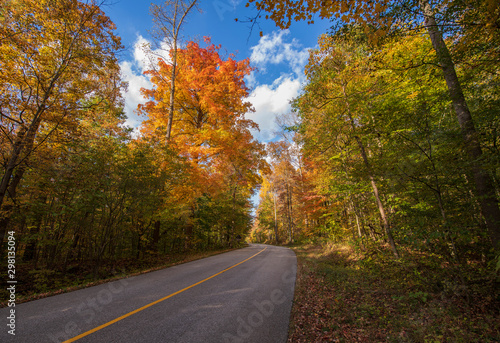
266 214
169 18
210 131
340 87
484 184
385 16
54 55
283 180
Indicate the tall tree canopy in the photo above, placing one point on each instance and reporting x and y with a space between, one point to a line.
445 22
209 129
169 18
54 57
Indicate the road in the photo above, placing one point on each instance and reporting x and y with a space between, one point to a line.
240 296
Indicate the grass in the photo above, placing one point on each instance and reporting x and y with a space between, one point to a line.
41 283
343 295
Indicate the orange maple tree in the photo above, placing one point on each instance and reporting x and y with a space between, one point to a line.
209 126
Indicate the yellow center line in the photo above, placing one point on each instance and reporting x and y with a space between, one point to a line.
155 302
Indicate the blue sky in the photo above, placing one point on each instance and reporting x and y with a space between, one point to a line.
279 56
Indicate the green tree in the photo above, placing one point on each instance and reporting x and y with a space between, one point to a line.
461 19
53 56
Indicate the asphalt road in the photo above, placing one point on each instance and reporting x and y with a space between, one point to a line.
240 296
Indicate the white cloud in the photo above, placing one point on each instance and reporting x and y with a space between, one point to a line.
132 96
145 54
269 101
251 80
133 73
144 58
272 49
141 46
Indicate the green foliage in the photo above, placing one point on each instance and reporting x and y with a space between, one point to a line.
42 279
390 101
85 193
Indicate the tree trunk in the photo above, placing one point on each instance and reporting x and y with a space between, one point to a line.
30 253
485 189
172 91
169 19
275 220
233 224
291 217
289 210
380 206
156 235
9 184
356 217
189 230
11 165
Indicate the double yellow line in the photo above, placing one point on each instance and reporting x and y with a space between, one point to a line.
155 302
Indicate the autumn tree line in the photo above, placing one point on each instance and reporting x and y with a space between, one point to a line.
394 139
78 188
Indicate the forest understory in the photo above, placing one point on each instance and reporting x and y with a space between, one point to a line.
343 294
